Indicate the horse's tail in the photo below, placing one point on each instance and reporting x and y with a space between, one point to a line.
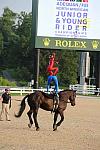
22 107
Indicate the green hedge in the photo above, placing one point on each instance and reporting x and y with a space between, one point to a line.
5 82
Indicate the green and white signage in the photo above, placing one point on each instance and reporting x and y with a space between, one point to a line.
68 24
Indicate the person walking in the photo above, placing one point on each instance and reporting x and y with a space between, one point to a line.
6 104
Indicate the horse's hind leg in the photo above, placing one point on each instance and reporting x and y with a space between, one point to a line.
35 119
29 113
55 119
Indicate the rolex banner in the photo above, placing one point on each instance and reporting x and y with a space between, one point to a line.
68 24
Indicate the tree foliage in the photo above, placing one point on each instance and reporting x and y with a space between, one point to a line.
16 54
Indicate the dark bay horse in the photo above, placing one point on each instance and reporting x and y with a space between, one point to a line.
44 101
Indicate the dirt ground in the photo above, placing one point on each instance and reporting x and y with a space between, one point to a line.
79 131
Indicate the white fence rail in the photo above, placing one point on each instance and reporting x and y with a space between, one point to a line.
85 89
80 89
24 90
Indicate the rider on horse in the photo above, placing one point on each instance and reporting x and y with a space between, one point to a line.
52 77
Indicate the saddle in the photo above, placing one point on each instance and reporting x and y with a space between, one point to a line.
55 98
51 95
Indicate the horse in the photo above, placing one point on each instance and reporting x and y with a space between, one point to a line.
42 100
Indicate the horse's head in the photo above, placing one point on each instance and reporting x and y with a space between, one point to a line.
68 96
72 97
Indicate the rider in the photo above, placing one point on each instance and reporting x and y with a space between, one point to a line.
52 73
52 77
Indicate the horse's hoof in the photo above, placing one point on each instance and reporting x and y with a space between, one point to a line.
37 129
55 128
29 125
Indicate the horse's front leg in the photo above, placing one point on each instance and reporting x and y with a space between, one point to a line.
35 120
62 118
29 113
55 119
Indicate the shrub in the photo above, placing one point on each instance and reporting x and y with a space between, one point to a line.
5 82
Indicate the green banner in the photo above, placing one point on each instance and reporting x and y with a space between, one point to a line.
67 43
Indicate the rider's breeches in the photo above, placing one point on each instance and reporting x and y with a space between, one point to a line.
55 80
56 84
48 82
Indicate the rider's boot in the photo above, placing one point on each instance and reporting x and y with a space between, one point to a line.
56 102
